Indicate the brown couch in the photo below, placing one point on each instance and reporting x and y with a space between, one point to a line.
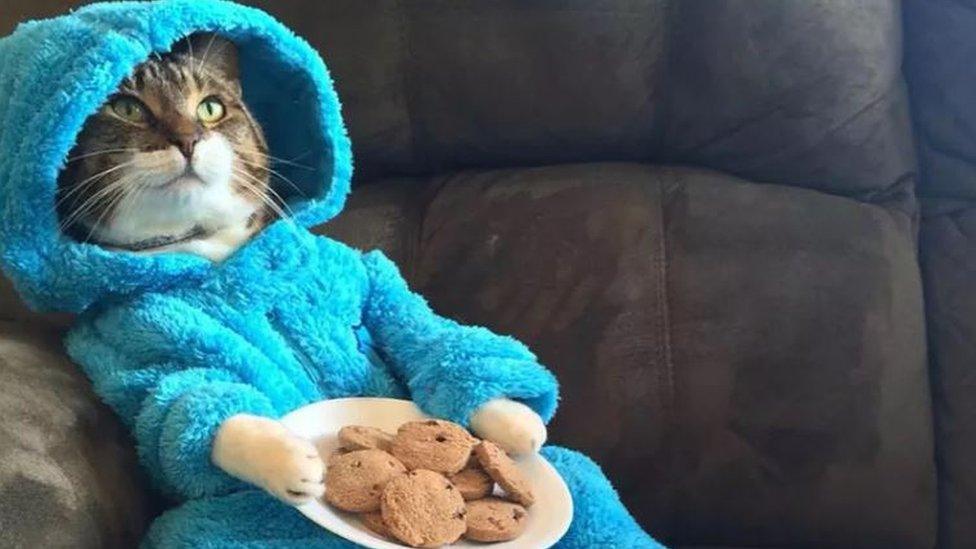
702 214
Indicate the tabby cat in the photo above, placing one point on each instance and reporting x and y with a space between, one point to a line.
173 161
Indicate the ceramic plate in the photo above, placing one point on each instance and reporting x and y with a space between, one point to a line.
548 520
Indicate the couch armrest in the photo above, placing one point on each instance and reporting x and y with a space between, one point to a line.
68 473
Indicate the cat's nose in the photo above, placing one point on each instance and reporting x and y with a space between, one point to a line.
186 143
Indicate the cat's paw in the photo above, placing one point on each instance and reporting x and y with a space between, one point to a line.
264 452
293 470
511 425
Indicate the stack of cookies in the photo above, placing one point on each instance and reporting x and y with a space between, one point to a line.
428 485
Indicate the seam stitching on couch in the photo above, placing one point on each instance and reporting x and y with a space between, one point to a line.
671 16
664 326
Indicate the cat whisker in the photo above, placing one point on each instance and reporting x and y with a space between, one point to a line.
277 174
80 209
109 206
189 47
92 202
280 160
130 187
270 204
206 52
96 153
131 200
78 187
262 196
280 200
88 205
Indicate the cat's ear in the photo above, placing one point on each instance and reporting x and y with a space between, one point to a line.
213 51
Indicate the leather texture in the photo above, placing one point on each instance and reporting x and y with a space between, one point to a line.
701 214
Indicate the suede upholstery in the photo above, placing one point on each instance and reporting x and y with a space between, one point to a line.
940 48
68 474
701 215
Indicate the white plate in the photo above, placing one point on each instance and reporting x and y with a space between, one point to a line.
548 520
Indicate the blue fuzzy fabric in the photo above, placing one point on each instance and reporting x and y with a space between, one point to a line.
176 345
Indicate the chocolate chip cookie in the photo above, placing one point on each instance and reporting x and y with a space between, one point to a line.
423 509
374 521
355 481
473 483
494 519
359 437
433 444
503 470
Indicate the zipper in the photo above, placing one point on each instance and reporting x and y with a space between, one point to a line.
300 356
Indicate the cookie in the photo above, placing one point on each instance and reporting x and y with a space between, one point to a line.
494 519
355 481
473 483
503 470
423 509
433 444
358 437
374 522
338 452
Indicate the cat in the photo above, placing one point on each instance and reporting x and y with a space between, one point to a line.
175 162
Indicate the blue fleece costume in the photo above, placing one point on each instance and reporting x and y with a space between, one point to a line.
176 345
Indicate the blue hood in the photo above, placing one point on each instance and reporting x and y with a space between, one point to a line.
55 73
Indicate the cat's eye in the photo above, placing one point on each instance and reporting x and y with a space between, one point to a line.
210 110
129 109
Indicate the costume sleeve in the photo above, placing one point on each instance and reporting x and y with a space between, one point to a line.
173 375
450 369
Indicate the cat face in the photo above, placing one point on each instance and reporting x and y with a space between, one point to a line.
173 152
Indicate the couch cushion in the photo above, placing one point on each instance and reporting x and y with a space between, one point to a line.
747 361
10 305
13 308
68 475
948 241
384 215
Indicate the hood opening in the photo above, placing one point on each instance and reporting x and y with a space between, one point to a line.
55 73
285 103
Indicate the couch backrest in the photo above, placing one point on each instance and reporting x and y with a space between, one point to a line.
940 49
799 93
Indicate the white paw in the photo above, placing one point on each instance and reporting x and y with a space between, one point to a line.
262 451
293 471
513 426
